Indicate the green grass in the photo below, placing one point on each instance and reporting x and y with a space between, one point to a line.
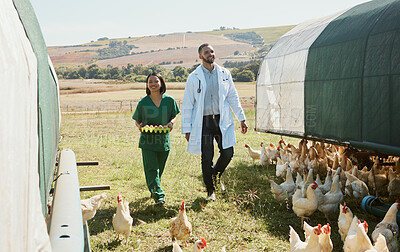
244 218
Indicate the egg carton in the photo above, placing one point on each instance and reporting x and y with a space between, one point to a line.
157 129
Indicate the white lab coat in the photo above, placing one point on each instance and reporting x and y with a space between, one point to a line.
193 105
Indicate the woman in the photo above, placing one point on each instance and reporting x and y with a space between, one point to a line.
155 109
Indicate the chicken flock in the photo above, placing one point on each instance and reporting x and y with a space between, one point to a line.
300 169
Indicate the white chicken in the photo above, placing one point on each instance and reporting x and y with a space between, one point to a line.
281 167
254 154
264 159
199 245
344 220
326 187
380 244
310 245
90 206
272 152
305 205
355 187
284 190
324 239
357 238
180 227
388 228
122 220
330 201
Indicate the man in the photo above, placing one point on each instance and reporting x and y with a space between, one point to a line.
209 97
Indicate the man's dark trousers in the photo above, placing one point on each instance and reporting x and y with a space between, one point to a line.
210 132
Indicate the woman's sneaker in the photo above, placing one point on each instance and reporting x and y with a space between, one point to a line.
160 203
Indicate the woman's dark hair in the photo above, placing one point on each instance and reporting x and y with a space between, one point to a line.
163 88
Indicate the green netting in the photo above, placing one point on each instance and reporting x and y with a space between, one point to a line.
352 78
48 114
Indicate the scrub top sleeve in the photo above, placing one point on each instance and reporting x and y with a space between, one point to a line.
175 109
137 115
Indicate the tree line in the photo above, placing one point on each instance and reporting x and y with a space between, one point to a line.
243 72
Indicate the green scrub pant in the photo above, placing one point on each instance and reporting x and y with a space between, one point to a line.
154 163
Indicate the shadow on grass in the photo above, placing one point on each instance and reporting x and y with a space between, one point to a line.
111 245
198 204
102 221
249 188
152 213
166 249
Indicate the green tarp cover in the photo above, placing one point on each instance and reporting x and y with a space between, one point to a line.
48 104
352 83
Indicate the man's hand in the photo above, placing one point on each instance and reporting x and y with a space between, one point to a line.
243 126
187 136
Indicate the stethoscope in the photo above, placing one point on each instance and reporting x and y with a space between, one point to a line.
199 89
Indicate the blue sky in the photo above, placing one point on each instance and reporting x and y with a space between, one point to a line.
75 22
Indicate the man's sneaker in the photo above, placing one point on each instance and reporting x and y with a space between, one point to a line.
211 197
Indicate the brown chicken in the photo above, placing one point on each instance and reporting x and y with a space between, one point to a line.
180 228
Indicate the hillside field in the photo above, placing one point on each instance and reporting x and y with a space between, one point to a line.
177 48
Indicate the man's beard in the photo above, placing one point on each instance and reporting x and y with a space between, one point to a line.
208 61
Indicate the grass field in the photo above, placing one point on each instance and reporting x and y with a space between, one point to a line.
95 95
244 218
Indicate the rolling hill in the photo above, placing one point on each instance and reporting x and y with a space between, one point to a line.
169 50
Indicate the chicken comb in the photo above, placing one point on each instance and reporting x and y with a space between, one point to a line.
315 183
204 241
397 201
271 145
365 224
246 145
329 227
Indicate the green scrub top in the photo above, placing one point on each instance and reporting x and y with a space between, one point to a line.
149 114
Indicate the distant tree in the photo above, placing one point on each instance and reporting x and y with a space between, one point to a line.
82 72
236 53
154 69
73 74
140 78
253 67
115 73
190 70
101 39
93 72
245 76
181 72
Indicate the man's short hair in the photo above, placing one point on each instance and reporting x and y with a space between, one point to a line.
201 47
